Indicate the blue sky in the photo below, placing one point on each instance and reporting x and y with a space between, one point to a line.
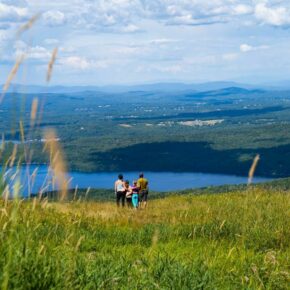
143 41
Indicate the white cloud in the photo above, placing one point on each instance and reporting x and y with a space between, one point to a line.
130 28
242 9
276 16
124 15
39 52
31 52
76 62
107 15
54 18
247 48
100 39
195 12
115 16
12 13
83 63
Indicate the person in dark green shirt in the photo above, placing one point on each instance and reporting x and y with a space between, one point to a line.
142 184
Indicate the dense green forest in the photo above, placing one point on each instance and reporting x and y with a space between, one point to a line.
216 131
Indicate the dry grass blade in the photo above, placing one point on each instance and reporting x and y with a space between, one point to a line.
2 147
34 204
44 203
28 24
253 169
87 193
5 195
56 162
79 242
11 76
75 193
33 112
13 156
22 131
50 64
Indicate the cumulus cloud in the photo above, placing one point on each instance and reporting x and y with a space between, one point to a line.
12 13
76 62
130 28
247 48
194 12
159 49
109 15
276 16
242 9
121 15
54 18
83 63
125 16
37 52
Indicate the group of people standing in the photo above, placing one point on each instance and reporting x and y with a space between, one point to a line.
135 195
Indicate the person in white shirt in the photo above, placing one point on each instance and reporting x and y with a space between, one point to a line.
120 190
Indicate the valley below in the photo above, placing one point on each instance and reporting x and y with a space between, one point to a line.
217 132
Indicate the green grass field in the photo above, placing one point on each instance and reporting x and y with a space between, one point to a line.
228 241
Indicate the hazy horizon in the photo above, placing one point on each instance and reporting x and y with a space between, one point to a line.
277 84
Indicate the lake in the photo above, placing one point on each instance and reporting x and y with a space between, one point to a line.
36 177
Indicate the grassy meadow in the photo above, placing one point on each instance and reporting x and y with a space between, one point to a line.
235 240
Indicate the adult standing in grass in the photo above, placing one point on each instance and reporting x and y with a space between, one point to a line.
144 189
120 190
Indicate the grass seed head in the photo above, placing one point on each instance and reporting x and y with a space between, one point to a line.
33 112
11 76
253 169
57 162
26 26
50 64
13 156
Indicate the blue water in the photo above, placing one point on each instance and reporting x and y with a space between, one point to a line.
158 181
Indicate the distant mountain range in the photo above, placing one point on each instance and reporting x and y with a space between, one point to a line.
225 92
157 87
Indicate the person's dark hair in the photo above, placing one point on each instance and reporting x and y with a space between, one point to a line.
127 182
141 175
120 176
